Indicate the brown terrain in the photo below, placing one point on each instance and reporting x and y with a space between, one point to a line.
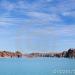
10 54
67 54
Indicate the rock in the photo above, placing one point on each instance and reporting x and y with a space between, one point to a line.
18 54
64 54
71 53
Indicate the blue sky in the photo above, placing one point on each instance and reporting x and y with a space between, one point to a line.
37 25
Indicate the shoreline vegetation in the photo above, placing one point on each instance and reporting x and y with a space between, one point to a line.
70 53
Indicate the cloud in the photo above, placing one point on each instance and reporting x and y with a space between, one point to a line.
38 20
55 31
44 10
43 16
7 5
10 21
69 13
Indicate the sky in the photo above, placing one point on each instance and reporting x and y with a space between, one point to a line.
37 25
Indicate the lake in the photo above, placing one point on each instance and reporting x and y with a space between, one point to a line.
37 66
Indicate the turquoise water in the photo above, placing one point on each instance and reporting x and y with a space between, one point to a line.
37 66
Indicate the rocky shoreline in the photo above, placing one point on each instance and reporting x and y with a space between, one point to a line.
66 54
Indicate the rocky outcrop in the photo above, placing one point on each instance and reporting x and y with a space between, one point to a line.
70 53
10 54
42 54
18 54
67 54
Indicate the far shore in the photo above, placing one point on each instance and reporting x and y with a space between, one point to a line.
70 53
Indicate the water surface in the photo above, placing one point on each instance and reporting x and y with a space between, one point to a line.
37 66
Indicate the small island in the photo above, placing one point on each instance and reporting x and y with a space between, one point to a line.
70 53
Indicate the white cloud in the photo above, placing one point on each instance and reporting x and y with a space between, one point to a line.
55 31
69 13
10 21
37 17
7 5
44 16
62 7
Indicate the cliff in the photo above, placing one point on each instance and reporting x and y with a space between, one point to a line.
67 54
70 53
10 54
